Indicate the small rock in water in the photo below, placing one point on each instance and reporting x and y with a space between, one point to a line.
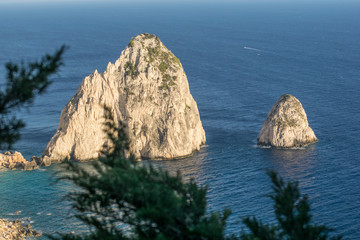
15 161
286 125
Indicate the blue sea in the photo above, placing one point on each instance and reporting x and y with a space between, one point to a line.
239 57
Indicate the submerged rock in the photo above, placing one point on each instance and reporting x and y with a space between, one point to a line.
15 161
148 91
286 125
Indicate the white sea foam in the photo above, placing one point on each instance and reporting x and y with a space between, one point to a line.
297 148
261 146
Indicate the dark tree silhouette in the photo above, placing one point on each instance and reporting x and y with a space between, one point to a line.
292 214
22 85
120 198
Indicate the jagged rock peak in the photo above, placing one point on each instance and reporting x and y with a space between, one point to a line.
148 91
286 125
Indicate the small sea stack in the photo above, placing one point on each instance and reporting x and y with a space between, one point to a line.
148 91
286 125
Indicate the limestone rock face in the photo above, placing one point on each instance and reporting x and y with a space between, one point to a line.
41 161
286 125
15 160
148 91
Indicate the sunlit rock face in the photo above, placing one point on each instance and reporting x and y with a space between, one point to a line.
146 89
17 229
16 161
286 125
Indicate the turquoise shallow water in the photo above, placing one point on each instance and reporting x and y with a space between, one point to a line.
239 59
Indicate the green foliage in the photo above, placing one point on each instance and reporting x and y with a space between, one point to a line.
163 86
118 191
131 43
153 53
166 78
176 61
167 81
23 84
292 214
166 59
149 36
172 83
131 70
163 67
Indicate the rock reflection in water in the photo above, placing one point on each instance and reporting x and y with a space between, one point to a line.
294 164
191 167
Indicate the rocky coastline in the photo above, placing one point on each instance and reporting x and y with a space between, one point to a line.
15 161
16 229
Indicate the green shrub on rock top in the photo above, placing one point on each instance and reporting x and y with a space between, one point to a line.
131 43
149 36
166 59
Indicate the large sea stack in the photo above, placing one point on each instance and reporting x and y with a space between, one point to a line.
146 89
286 125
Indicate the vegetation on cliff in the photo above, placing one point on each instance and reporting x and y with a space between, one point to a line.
148 90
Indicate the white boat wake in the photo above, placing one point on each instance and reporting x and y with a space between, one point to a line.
253 49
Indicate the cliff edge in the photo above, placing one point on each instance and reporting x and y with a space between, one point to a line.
148 91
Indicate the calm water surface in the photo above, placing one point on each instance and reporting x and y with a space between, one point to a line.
239 59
